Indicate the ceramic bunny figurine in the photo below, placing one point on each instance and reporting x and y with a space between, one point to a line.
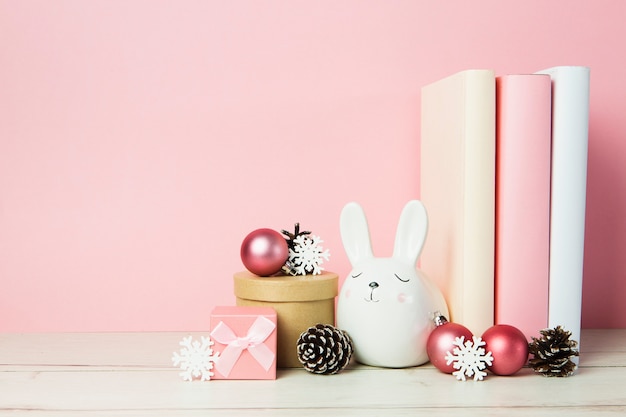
386 305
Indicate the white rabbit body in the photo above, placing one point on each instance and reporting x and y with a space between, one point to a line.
386 305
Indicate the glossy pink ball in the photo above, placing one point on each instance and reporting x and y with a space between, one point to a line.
441 341
509 348
264 252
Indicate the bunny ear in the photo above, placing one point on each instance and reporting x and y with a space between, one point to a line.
355 233
411 233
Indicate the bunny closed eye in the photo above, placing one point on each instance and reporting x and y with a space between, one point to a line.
403 280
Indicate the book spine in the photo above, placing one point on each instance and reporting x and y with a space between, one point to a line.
523 121
479 200
570 122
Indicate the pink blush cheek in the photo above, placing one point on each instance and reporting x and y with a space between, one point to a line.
403 298
347 294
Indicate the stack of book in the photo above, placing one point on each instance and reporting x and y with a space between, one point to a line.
503 177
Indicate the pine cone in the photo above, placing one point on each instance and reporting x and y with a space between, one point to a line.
552 353
324 349
291 237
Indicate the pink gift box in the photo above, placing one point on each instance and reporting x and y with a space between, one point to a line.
245 338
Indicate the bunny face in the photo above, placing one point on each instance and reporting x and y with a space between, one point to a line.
385 304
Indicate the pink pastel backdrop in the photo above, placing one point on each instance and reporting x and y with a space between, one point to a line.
140 141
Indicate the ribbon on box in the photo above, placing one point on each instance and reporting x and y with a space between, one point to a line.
252 341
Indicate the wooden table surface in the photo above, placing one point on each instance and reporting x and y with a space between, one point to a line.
131 374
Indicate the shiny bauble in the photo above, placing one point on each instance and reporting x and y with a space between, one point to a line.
441 341
509 348
264 252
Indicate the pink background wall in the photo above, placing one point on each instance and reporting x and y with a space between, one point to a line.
140 141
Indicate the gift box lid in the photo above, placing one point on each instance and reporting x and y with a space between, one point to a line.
286 288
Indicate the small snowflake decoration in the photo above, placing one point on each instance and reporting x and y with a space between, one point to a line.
307 255
195 358
469 358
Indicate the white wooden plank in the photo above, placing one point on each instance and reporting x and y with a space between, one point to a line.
94 349
332 411
118 390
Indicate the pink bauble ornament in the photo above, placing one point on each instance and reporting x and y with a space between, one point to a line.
441 340
264 252
509 348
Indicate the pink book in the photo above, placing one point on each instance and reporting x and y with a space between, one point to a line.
522 251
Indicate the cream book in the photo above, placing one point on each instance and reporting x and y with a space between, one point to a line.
523 119
570 126
457 180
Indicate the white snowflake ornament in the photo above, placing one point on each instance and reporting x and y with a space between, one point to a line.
195 359
307 256
469 358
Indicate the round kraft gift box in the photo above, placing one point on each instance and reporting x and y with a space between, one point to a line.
300 302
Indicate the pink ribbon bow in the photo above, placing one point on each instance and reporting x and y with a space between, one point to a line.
253 342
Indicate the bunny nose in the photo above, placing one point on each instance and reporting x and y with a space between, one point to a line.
373 284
